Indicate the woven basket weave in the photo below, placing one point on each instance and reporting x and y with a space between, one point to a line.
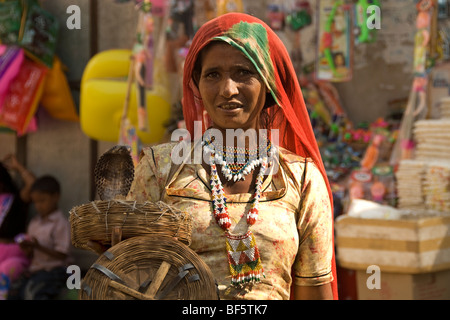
95 221
132 270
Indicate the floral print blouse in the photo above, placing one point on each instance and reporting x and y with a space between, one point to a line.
293 231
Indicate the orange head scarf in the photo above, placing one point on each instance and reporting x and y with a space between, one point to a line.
268 54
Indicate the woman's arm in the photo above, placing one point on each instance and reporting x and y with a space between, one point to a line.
313 265
322 292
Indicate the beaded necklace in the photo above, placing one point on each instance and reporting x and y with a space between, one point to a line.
238 162
243 255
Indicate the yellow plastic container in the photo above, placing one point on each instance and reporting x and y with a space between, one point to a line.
103 93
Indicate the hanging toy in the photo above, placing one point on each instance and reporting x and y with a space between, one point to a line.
182 12
366 34
422 37
275 14
405 145
127 133
143 55
334 50
300 17
227 6
327 37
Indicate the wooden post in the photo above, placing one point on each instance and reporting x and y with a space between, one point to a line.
432 53
93 48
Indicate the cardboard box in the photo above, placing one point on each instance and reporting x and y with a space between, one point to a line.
409 245
397 286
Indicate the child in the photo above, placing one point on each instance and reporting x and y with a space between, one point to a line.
47 243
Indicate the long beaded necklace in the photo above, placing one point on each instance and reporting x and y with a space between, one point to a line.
242 252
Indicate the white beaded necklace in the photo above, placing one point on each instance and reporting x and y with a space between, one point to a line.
238 162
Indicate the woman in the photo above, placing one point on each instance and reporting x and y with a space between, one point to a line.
264 224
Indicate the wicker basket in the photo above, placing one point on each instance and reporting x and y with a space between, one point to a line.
95 221
149 267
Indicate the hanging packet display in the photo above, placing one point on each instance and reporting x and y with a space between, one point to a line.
10 15
23 97
57 98
335 51
11 58
38 33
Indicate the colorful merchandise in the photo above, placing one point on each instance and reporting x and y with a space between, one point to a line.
359 184
23 96
57 97
365 34
405 145
335 35
383 189
11 58
127 132
38 34
4 286
143 61
275 14
10 14
300 17
372 152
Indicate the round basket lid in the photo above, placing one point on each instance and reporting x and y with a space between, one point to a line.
149 267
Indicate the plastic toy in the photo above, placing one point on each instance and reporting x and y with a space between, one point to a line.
356 191
143 60
378 190
372 153
300 17
365 34
11 58
313 99
21 237
22 98
404 146
335 47
327 37
4 286
359 184
383 189
103 91
275 15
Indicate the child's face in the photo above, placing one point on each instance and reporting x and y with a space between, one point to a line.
45 203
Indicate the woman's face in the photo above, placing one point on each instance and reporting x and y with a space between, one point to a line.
231 89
